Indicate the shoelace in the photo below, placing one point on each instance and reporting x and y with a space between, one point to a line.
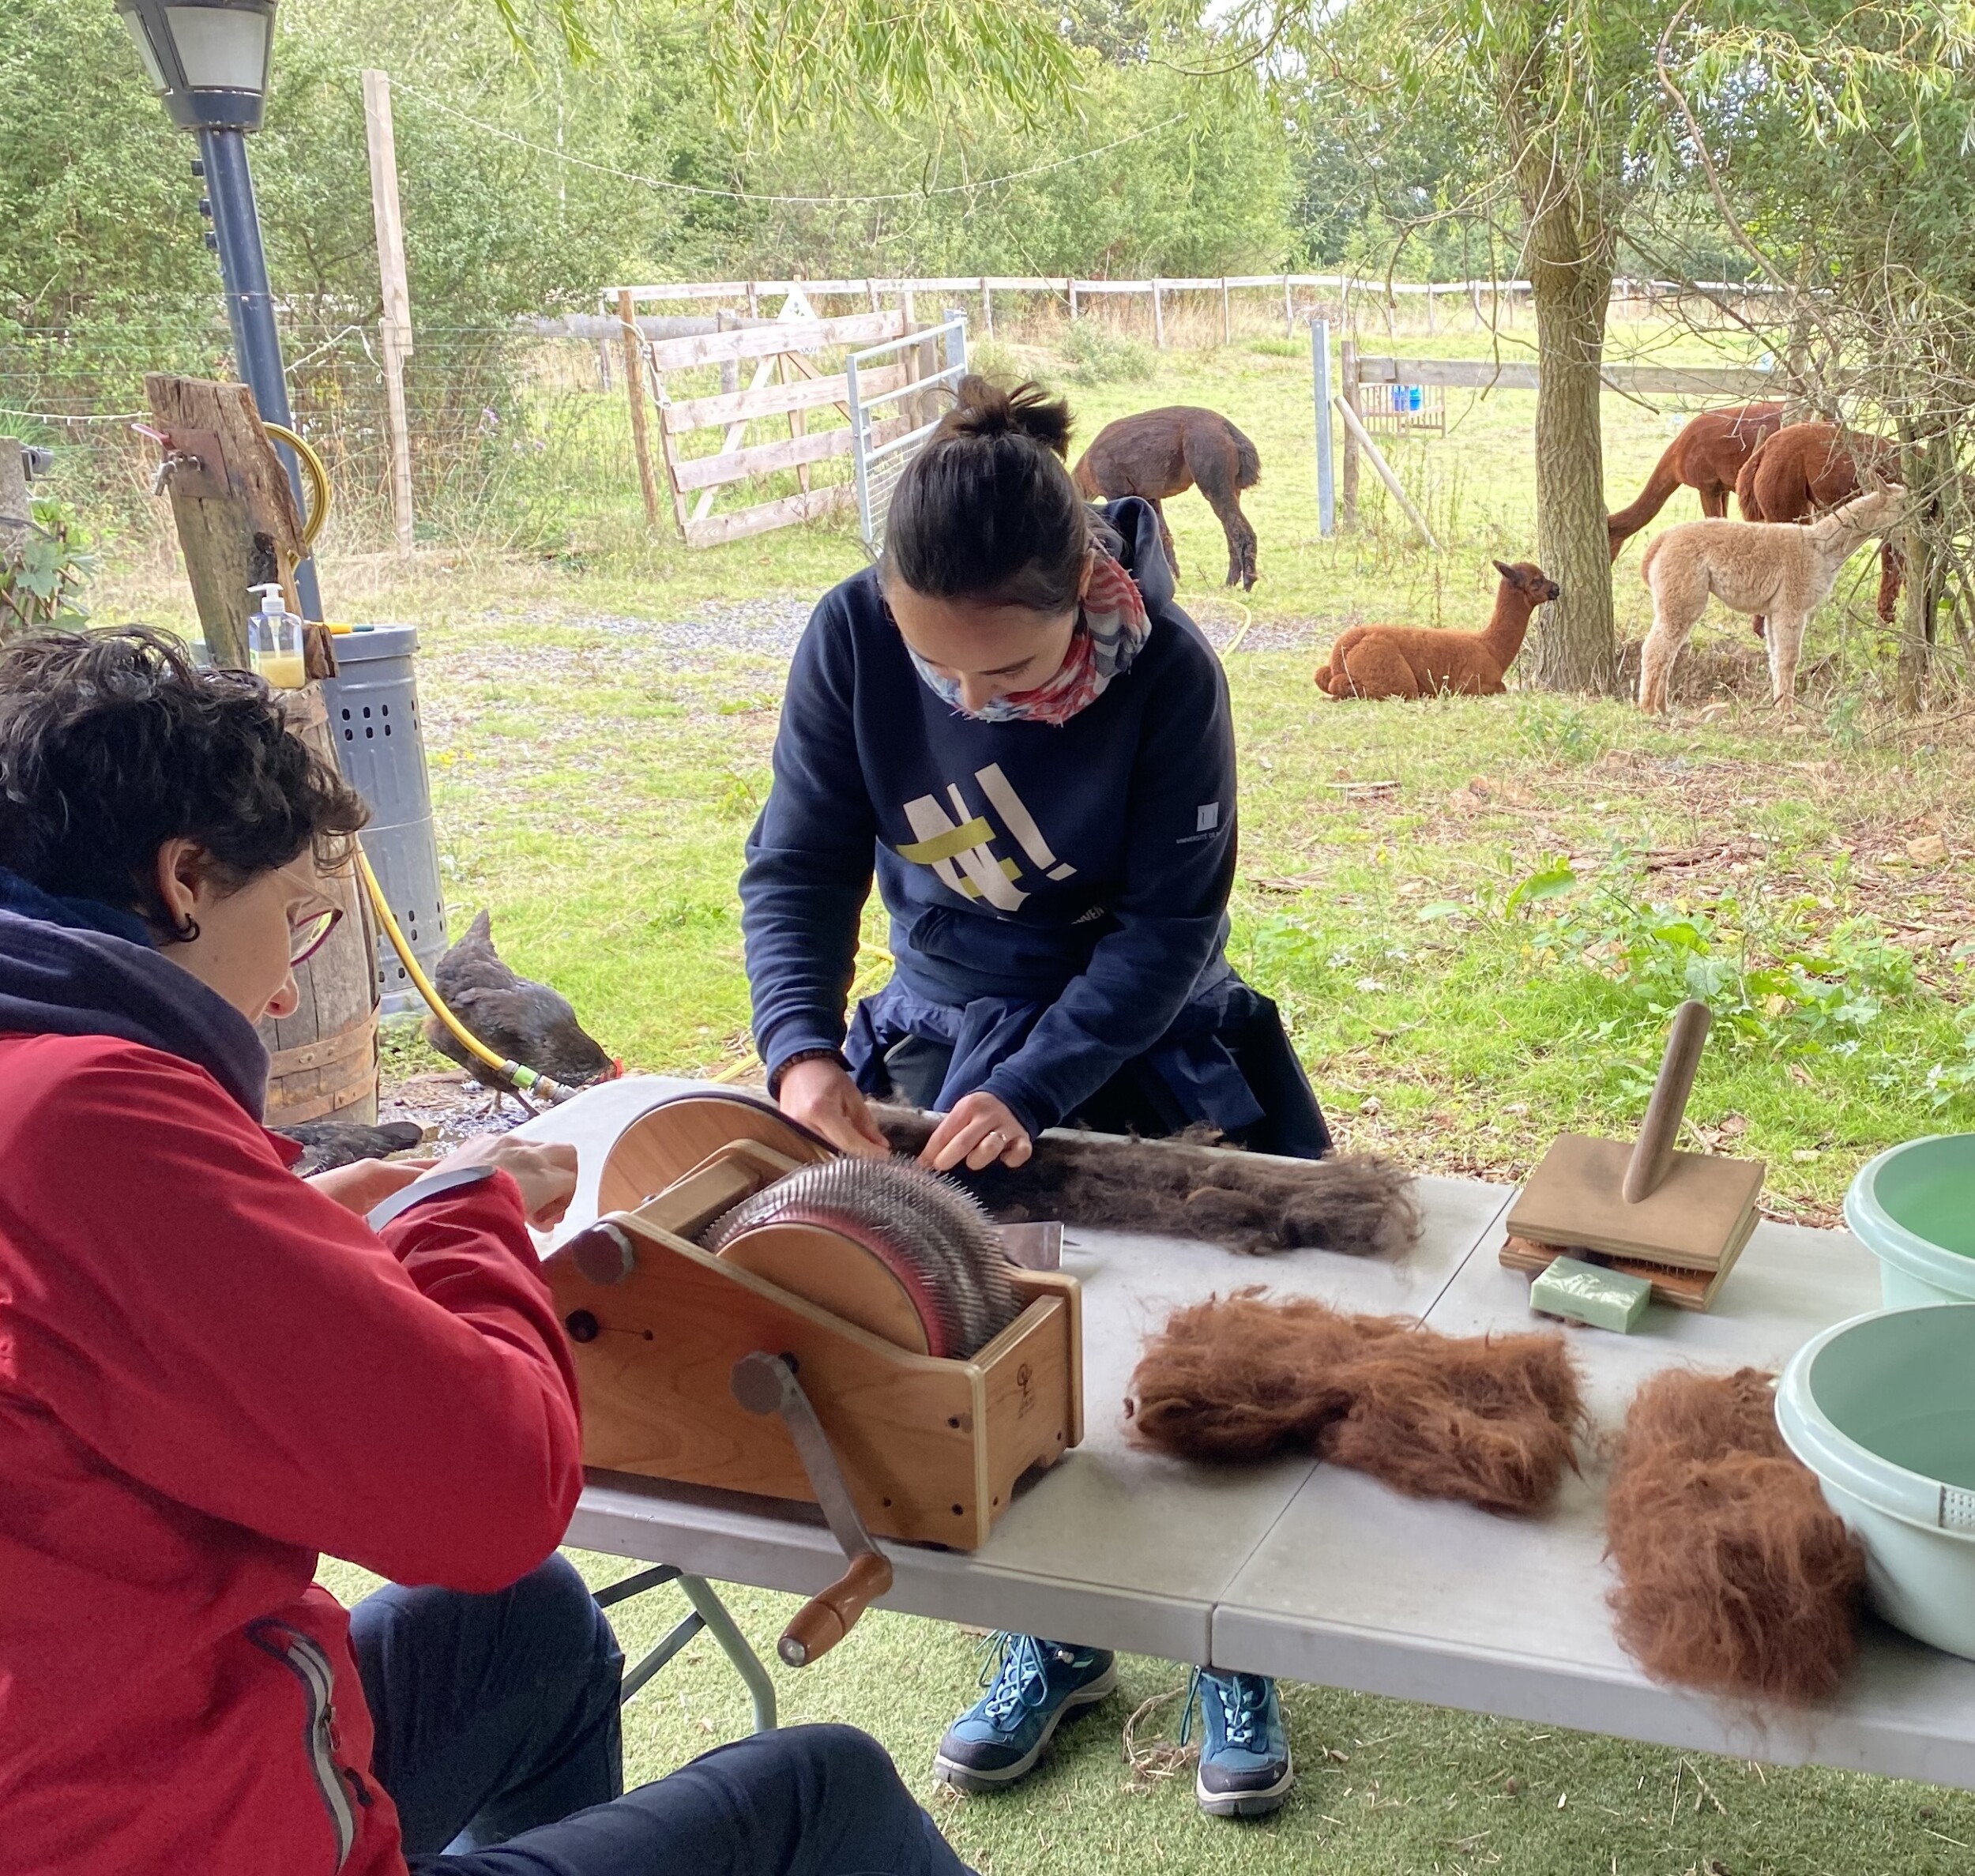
1244 1706
1018 1676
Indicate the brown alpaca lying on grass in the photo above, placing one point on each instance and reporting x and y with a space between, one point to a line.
1379 661
1781 571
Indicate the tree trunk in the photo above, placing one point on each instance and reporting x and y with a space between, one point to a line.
1573 645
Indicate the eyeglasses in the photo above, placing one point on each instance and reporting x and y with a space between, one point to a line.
309 933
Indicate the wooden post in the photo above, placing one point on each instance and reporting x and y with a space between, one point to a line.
1348 372
1072 300
634 386
986 307
394 330
1227 314
1289 310
1355 429
1429 309
753 299
871 287
798 421
13 491
1158 317
237 522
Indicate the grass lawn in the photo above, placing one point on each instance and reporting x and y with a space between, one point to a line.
1476 914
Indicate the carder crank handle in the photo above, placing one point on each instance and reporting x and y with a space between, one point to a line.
766 1384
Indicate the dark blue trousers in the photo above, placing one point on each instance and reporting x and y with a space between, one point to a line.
497 1739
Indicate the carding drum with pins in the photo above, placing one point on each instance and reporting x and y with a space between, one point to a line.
939 1371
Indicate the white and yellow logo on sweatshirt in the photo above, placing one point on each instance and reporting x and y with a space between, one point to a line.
962 852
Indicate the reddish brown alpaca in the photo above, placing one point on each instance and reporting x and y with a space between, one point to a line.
1706 456
1164 453
1811 468
1381 661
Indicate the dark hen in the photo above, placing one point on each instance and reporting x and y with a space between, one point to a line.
524 1021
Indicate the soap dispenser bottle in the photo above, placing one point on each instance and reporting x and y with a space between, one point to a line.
274 640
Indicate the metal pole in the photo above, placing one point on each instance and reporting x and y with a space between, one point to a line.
250 311
1320 369
956 339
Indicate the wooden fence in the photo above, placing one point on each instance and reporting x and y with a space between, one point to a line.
1345 290
787 383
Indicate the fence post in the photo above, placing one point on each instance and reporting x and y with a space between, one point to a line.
1289 310
1227 314
1158 317
394 330
753 299
1429 309
634 386
1320 372
1348 363
987 308
1072 300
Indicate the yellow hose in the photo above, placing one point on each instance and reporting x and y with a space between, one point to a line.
527 1079
318 477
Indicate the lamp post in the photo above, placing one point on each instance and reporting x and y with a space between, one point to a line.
208 60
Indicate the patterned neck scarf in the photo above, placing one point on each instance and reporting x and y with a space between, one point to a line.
1111 629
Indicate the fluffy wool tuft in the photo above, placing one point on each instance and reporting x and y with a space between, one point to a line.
1355 1203
1735 1577
1488 1420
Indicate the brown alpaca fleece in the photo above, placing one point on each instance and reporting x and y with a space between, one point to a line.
1706 456
1806 469
1489 1420
1735 1577
1355 1203
1410 661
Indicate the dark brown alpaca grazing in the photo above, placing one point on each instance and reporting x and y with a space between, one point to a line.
1809 469
1706 456
1381 661
1164 453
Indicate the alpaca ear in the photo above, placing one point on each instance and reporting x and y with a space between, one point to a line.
1503 568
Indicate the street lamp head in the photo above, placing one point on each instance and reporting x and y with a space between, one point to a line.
207 59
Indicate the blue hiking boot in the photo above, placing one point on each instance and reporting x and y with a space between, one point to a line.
1245 1769
1031 1687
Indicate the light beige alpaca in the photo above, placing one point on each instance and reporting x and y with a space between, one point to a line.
1783 571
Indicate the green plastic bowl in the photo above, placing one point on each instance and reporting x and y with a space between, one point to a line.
1883 1409
1913 1208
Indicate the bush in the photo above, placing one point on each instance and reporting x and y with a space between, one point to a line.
41 568
1098 356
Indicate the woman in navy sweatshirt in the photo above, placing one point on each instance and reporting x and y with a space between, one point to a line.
1012 724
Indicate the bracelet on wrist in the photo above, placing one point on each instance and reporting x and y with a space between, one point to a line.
782 1068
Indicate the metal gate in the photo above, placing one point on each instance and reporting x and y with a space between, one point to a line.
877 462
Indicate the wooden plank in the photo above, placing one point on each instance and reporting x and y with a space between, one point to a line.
764 341
776 400
235 512
763 459
790 510
394 331
766 459
634 389
1734 380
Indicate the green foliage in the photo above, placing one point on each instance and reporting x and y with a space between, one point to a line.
1772 982
1098 355
42 569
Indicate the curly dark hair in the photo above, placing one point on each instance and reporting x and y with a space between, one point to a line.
112 742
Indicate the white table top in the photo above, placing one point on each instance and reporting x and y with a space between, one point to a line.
1319 1573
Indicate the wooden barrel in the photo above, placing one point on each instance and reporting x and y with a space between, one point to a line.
324 1058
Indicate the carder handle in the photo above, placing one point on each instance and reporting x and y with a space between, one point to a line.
825 1620
1653 1155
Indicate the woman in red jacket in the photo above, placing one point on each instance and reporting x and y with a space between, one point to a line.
211 1371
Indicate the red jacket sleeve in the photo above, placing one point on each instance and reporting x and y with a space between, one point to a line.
240 1343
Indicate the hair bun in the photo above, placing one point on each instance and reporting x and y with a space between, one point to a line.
984 408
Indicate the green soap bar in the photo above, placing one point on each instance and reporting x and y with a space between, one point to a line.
1584 1292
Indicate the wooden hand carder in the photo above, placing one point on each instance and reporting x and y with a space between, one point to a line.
930 1448
1678 1218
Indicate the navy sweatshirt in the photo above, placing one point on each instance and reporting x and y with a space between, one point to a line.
1084 866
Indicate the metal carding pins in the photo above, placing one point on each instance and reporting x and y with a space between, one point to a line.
766 1384
930 1234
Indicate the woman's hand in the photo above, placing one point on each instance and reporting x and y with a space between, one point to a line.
979 1131
824 1098
544 1170
365 1184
